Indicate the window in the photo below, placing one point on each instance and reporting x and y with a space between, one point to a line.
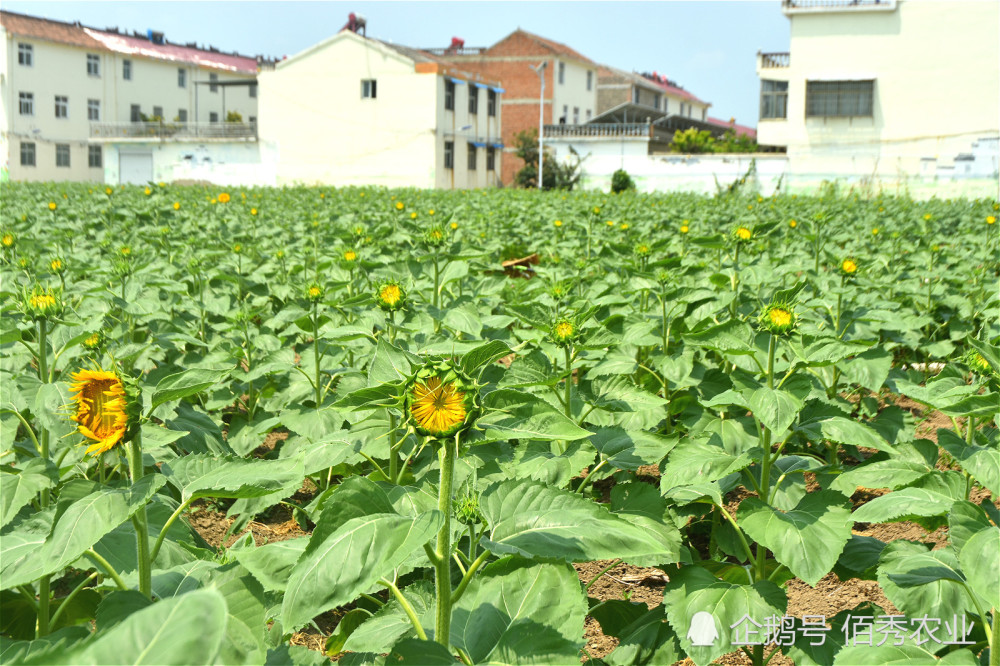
635 95
27 153
94 157
839 99
253 90
26 103
93 109
368 88
62 106
576 115
214 79
773 99
562 73
252 120
158 112
127 70
182 115
473 99
213 117
93 65
62 155
588 115
491 158
182 79
449 154
24 55
449 96
135 114
565 115
472 157
491 103
590 80
666 105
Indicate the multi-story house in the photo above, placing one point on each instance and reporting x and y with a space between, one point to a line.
74 98
570 95
884 90
617 90
379 114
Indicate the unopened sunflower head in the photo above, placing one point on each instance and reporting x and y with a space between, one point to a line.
440 399
314 293
349 258
390 295
849 267
779 318
979 365
106 407
42 303
8 239
564 332
57 265
95 342
642 250
742 233
435 236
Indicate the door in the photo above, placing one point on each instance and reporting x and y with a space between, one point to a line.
135 168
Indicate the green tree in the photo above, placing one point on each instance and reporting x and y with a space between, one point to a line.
559 176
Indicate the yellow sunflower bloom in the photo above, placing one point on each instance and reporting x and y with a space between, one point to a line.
224 197
52 205
100 408
743 233
437 408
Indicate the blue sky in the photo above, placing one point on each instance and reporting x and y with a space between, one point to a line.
708 47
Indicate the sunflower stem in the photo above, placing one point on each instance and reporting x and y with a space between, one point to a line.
136 471
42 628
393 456
166 526
568 404
68 598
442 621
319 389
765 468
96 558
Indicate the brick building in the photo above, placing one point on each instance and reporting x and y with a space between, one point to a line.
570 84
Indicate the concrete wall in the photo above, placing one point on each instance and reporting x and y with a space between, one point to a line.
572 93
59 69
236 163
936 68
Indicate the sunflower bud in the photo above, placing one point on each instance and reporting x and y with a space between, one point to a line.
349 259
314 293
390 296
467 511
42 303
848 267
564 332
435 236
57 266
742 233
95 341
441 400
107 408
779 319
641 250
979 365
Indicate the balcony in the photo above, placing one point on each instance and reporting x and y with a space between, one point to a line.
774 60
609 130
790 7
173 131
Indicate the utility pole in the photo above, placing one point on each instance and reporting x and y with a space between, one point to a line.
540 70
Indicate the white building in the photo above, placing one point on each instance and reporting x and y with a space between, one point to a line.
886 92
86 104
356 110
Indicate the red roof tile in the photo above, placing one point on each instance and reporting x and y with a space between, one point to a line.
548 45
740 129
74 34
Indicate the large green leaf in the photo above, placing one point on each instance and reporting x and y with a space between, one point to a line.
19 486
350 560
390 364
693 596
845 431
227 476
964 520
272 563
510 414
901 504
79 527
982 462
186 630
901 655
187 383
644 637
695 461
533 520
630 449
476 359
921 581
980 559
507 614
892 473
775 408
390 622
808 539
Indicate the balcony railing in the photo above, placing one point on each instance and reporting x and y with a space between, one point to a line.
598 129
174 131
774 60
472 50
796 6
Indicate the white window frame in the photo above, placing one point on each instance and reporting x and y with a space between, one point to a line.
562 73
25 54
590 79
449 154
93 65
93 109
28 154
62 105
449 95
213 82
182 78
26 103
182 115
62 150
369 89
472 157
127 70
93 151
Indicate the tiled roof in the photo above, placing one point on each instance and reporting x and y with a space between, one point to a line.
549 45
740 129
662 84
74 34
418 55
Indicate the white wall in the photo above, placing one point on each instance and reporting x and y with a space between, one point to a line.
573 91
59 69
937 87
231 163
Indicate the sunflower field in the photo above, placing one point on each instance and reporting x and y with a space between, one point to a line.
290 426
